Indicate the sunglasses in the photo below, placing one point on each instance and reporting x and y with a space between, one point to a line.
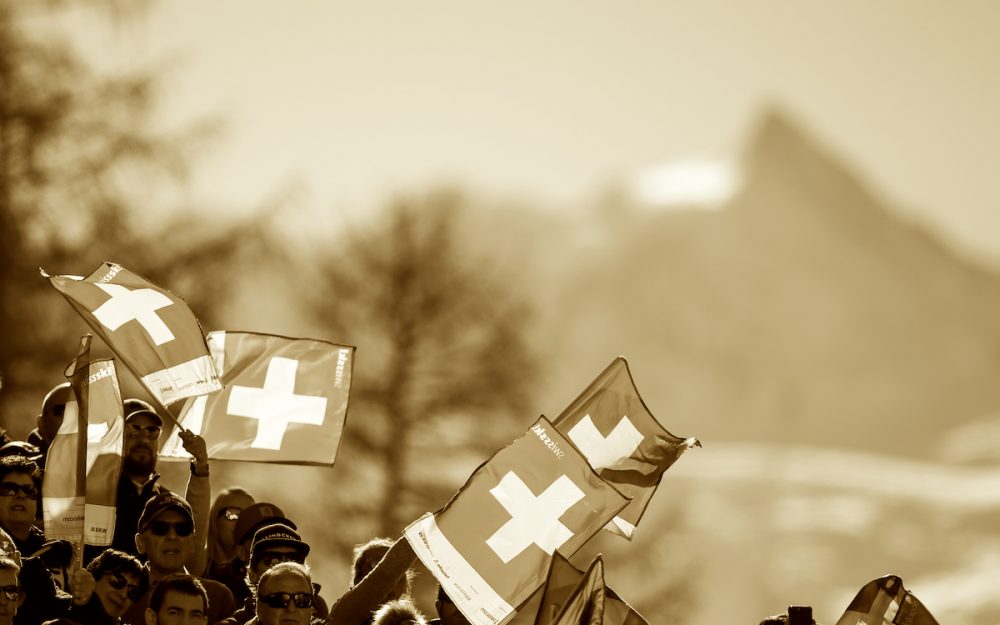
8 489
118 581
230 514
282 599
162 528
13 592
142 431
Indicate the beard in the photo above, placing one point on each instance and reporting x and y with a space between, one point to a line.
142 465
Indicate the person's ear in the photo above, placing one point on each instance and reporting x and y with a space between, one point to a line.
150 616
140 544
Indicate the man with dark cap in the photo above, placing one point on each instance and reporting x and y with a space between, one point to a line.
271 545
251 519
165 538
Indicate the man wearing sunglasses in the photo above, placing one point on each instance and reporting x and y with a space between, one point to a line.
284 595
166 538
138 483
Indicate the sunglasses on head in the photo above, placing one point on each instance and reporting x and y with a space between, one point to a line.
162 528
8 489
118 581
12 592
230 514
282 599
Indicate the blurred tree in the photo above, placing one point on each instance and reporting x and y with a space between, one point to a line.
78 165
440 339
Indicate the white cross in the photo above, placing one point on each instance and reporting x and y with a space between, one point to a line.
276 405
601 451
534 520
138 305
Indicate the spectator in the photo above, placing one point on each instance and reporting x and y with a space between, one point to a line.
388 580
51 417
11 593
165 537
117 579
284 595
178 599
222 558
251 519
272 545
20 481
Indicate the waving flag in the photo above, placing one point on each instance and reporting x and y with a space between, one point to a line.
150 329
622 440
84 459
284 400
563 579
884 601
490 547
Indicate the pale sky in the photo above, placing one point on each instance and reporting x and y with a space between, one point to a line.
349 102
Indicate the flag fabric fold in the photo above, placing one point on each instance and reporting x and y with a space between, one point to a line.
148 328
490 546
610 423
585 605
84 459
884 601
284 400
563 579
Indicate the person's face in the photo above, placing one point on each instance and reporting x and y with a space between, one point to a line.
270 557
16 506
291 583
11 596
116 600
140 445
178 609
50 421
167 541
228 516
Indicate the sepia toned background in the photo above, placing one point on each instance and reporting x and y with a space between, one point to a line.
784 215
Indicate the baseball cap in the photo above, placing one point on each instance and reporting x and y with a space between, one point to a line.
255 516
142 411
276 535
160 503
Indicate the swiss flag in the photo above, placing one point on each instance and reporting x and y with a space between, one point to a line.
490 547
284 400
148 328
622 440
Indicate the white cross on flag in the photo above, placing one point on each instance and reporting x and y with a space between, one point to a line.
149 329
490 546
884 601
284 400
622 440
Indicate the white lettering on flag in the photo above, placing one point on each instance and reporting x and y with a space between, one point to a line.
138 305
534 520
602 452
276 405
